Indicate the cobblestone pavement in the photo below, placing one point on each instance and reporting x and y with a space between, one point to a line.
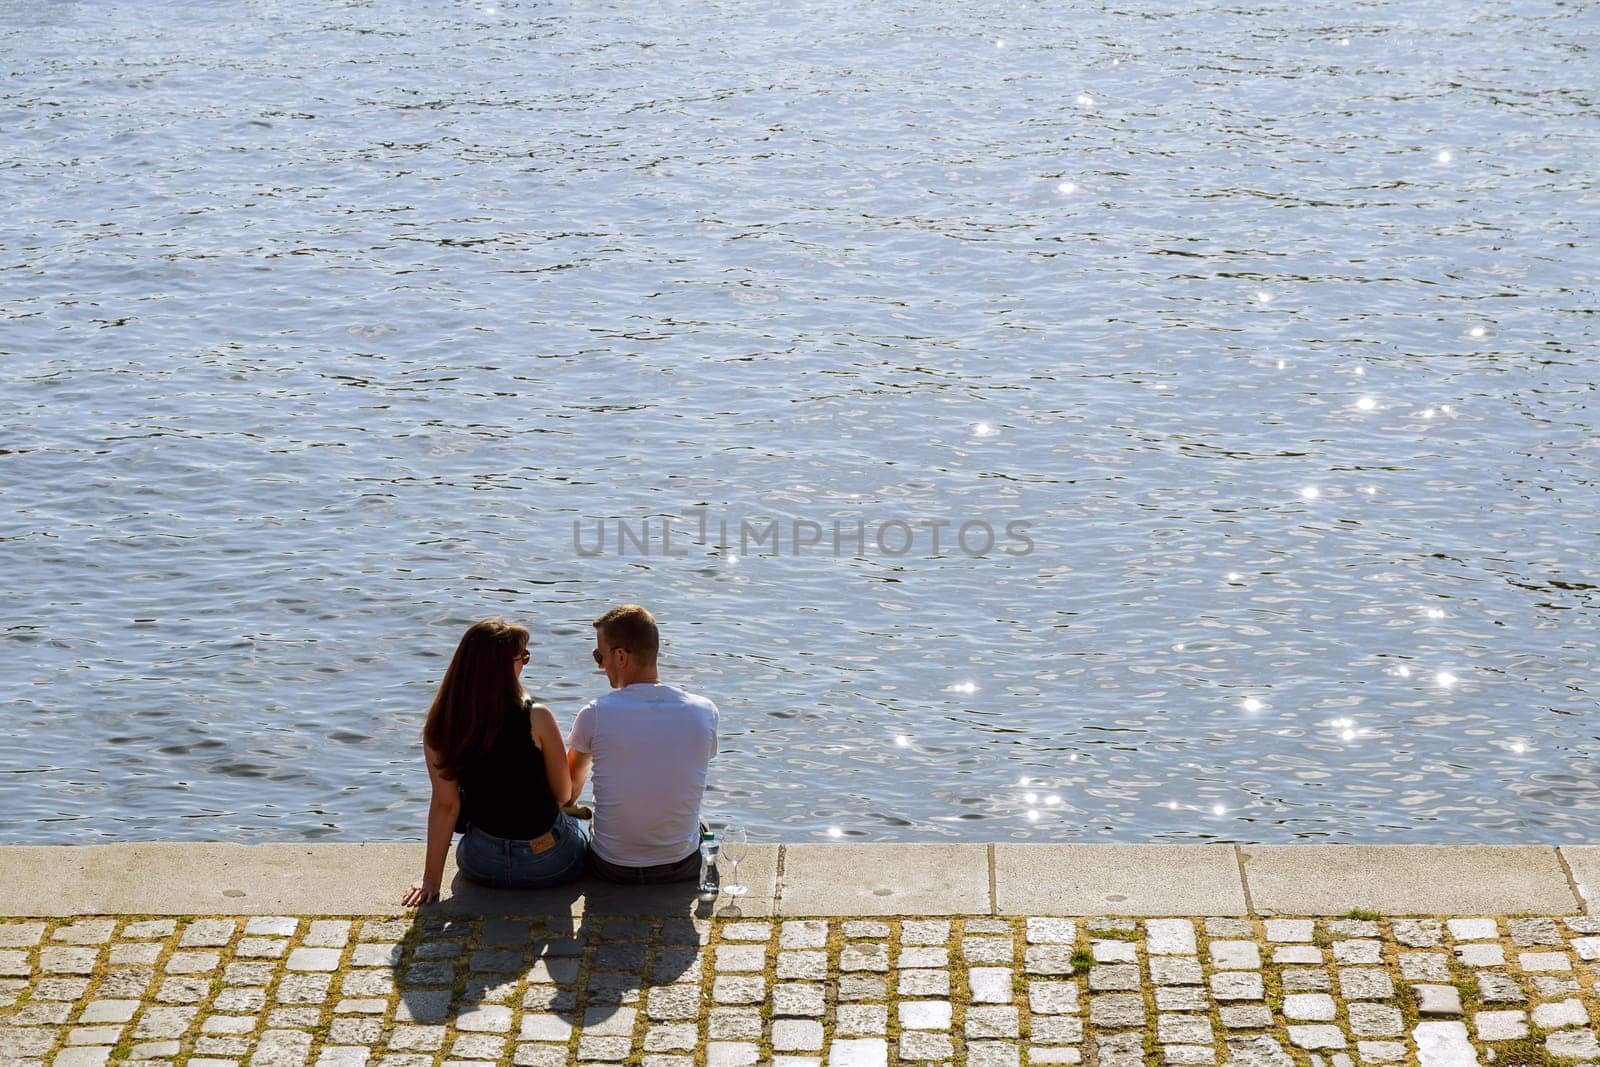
675 992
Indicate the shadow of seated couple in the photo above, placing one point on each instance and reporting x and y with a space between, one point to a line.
482 956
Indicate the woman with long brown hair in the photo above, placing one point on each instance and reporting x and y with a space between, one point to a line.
497 762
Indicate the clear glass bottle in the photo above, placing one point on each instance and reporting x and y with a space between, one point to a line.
709 881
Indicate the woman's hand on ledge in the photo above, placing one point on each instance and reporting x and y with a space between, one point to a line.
422 891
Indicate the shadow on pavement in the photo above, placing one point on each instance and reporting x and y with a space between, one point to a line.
468 956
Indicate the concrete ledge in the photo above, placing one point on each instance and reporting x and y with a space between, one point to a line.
208 879
1118 880
1408 879
828 880
885 880
1584 863
361 879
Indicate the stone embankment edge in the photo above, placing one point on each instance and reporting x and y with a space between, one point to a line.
824 880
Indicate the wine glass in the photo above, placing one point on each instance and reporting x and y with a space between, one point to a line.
734 844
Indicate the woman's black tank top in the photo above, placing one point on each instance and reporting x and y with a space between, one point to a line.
506 793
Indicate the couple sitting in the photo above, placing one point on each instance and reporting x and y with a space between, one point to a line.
502 775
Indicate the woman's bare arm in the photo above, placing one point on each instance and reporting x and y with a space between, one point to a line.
547 735
442 811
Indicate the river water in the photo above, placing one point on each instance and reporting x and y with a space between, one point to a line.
327 328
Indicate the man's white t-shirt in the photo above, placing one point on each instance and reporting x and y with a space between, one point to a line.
651 744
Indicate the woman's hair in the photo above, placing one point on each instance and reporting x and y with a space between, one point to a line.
479 687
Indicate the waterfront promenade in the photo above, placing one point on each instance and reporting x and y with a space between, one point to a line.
1113 955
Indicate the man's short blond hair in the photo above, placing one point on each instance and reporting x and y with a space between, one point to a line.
631 627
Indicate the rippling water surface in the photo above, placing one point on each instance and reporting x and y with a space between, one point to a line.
322 324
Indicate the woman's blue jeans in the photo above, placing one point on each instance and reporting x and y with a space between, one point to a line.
512 864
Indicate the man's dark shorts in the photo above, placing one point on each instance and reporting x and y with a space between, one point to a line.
685 870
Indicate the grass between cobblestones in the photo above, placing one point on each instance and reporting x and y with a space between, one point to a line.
677 992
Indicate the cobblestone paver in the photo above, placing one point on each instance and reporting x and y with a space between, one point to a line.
1117 992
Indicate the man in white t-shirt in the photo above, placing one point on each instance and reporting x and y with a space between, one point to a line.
649 745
